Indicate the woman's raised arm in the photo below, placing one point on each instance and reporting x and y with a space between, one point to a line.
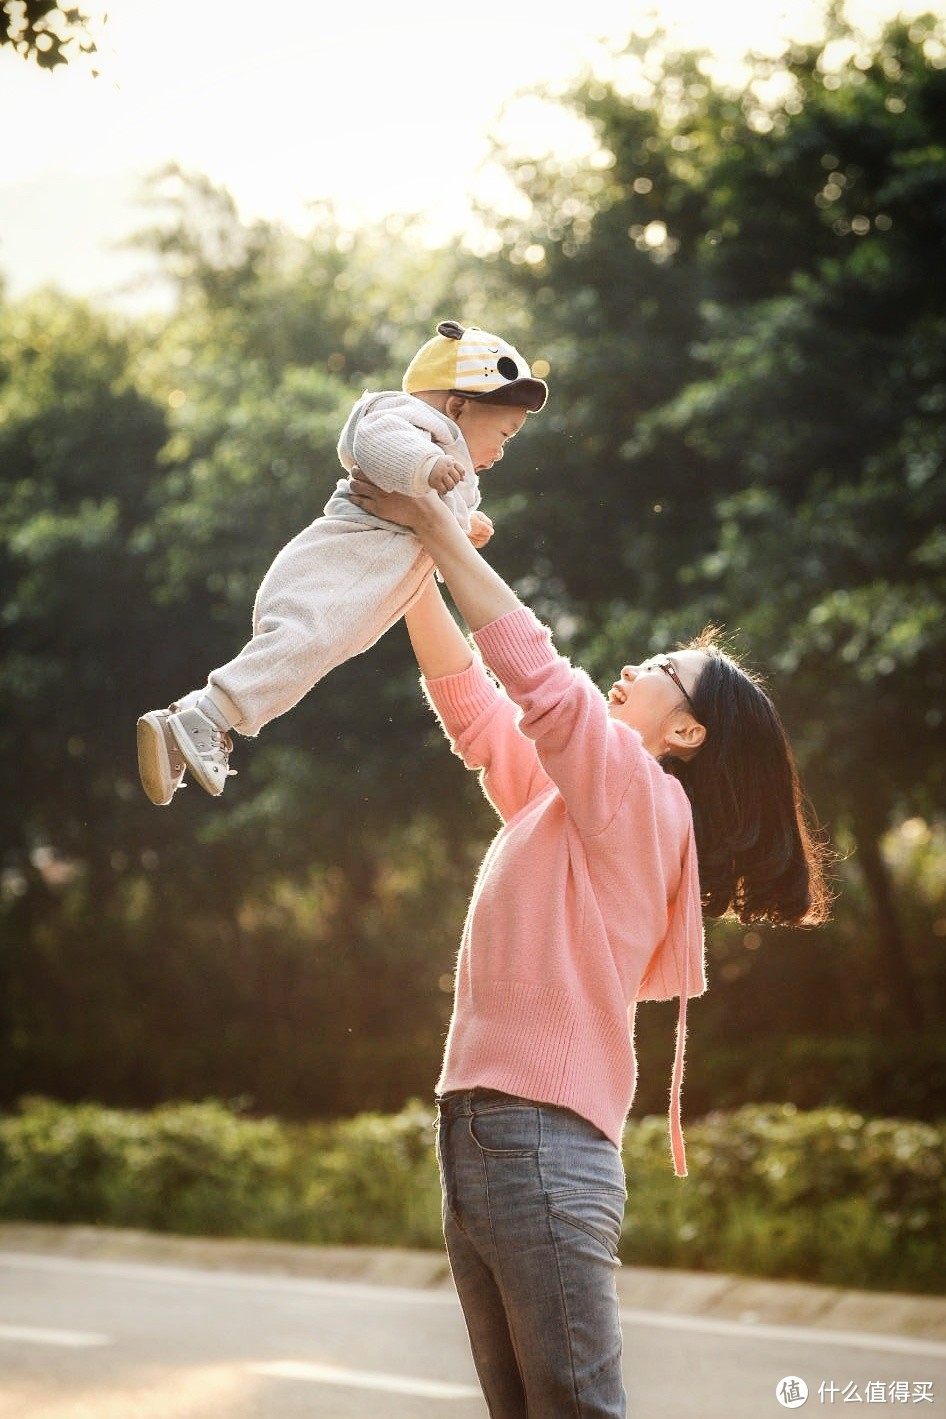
439 645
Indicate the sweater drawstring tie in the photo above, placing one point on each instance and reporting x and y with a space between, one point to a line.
676 1087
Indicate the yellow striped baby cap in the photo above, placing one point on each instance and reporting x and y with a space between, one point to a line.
471 362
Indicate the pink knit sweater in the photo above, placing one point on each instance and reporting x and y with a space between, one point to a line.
588 898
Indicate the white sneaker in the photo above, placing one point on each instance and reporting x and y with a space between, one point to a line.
205 748
160 762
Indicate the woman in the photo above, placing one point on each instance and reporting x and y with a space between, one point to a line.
588 900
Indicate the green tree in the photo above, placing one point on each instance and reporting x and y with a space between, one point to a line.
746 426
744 299
824 397
78 452
149 478
43 32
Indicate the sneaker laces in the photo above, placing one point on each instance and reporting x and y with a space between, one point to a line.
224 744
219 738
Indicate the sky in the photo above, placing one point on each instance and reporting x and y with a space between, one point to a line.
381 108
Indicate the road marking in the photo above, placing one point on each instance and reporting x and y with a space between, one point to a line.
364 1379
750 1330
355 1292
37 1335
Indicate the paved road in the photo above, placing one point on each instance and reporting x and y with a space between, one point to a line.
99 1339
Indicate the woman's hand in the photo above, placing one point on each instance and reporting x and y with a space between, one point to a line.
410 511
393 507
479 593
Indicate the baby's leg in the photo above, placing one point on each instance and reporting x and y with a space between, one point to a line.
329 594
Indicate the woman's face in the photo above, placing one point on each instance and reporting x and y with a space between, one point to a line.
648 698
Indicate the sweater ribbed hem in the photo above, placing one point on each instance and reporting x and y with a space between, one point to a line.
539 1042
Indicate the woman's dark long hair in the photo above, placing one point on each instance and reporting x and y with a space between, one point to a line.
760 859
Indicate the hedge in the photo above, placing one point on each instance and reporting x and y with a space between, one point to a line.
825 1195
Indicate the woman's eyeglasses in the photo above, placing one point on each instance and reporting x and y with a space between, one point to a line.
667 665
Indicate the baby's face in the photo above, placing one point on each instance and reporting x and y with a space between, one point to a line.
486 429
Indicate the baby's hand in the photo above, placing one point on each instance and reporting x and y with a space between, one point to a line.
481 529
445 474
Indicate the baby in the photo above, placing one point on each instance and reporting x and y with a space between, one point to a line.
346 578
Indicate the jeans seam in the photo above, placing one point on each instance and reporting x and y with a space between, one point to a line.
484 1156
591 1232
607 1360
561 1285
447 1180
482 1110
553 1201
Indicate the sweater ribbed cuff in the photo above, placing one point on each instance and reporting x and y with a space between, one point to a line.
458 699
515 645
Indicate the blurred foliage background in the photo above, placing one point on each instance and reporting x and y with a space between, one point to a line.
742 302
825 1194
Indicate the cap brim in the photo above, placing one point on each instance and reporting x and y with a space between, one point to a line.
528 394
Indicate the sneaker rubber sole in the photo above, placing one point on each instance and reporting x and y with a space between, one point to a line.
160 762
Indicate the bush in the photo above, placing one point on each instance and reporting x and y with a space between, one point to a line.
203 1169
375 1182
825 1196
57 1163
200 1169
191 1168
828 1195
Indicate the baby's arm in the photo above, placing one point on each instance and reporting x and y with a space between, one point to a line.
481 529
446 473
399 456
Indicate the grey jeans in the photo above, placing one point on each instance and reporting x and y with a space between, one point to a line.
533 1199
